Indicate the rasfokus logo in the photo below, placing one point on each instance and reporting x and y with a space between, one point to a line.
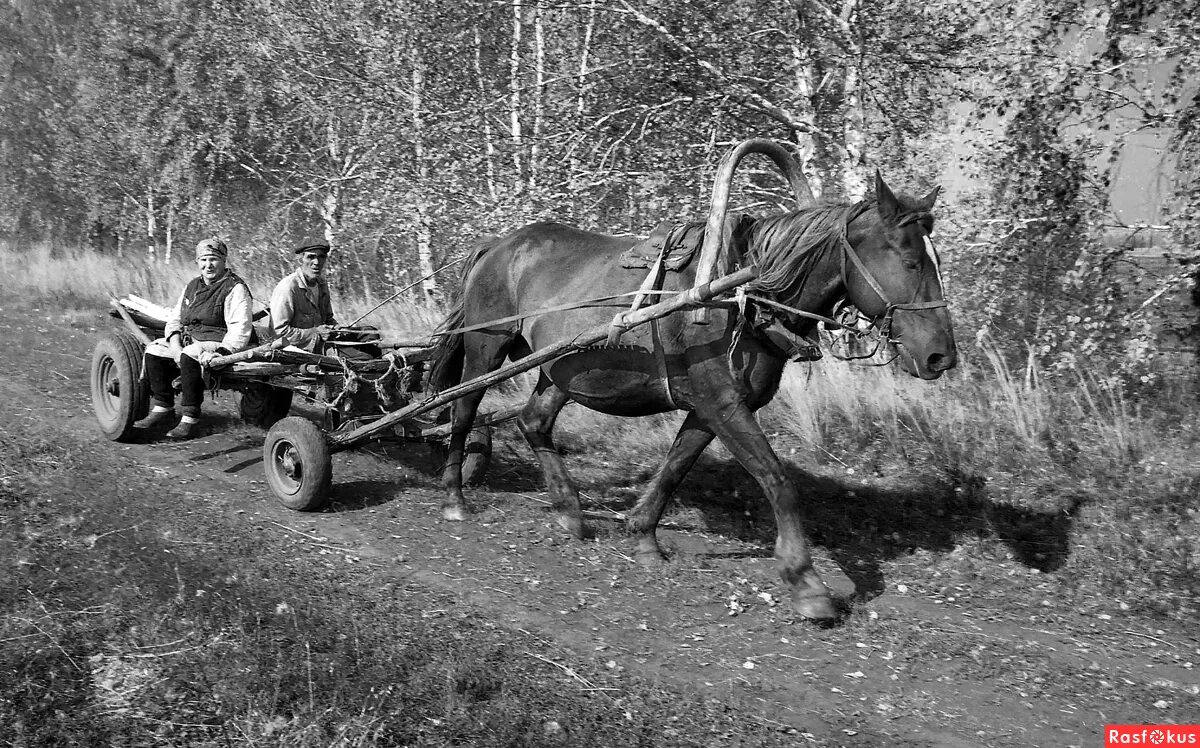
1152 735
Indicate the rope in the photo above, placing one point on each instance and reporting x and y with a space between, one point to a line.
400 375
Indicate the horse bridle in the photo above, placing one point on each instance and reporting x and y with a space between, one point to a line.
890 308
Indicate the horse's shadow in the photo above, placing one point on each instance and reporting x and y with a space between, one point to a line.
863 527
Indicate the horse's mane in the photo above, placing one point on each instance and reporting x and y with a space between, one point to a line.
786 247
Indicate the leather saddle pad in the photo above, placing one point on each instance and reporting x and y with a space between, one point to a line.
682 241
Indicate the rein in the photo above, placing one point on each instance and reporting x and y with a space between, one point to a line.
599 301
889 307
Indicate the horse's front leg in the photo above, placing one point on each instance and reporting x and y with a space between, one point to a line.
735 424
643 519
536 421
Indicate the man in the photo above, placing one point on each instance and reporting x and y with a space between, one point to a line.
301 310
212 318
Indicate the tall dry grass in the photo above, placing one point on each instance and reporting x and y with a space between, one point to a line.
985 416
84 278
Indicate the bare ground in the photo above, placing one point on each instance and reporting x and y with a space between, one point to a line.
947 641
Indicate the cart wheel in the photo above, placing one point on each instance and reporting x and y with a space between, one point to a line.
120 396
477 455
263 405
299 468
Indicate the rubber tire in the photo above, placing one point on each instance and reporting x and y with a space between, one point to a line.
117 360
298 465
477 455
262 405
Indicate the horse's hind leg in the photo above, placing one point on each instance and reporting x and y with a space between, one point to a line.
536 421
735 424
643 519
484 356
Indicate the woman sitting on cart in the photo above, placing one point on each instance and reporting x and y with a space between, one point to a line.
212 318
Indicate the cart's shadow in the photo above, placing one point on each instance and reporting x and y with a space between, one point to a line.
356 495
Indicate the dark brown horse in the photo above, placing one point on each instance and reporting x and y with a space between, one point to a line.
875 254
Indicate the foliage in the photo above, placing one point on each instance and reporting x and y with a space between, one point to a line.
404 134
1071 87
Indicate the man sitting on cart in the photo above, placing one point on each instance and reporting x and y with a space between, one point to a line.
212 317
301 310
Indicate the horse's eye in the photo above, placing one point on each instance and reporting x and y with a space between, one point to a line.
910 264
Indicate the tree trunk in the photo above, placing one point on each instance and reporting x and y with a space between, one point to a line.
807 141
151 227
854 180
514 90
539 57
170 243
584 52
424 235
489 159
330 207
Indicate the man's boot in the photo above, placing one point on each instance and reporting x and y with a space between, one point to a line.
185 430
158 419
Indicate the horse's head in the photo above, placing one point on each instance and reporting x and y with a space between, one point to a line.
892 275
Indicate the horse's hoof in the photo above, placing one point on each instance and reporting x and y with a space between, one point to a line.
816 608
649 556
573 525
650 559
454 514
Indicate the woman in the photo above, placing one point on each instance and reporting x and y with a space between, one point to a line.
212 318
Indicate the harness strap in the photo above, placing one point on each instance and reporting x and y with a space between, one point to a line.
596 302
652 283
848 251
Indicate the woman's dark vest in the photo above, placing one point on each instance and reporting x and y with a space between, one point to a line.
203 312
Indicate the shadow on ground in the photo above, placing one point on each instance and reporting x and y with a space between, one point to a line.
862 526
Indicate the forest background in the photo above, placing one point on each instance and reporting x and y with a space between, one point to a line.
1064 132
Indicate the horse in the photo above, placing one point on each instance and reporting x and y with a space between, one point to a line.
522 290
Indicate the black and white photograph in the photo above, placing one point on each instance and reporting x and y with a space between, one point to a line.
599 373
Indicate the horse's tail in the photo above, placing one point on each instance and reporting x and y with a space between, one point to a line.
447 367
449 353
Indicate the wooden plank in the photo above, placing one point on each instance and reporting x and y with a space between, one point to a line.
134 327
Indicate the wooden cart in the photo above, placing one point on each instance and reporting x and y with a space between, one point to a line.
350 385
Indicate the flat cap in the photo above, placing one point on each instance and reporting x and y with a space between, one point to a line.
312 248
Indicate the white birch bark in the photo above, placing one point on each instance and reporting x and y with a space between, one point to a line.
584 53
514 90
151 226
854 178
424 234
170 238
489 158
805 89
330 206
539 101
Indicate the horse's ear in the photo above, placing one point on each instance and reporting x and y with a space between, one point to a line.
889 207
927 202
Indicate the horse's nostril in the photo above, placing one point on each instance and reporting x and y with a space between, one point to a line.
936 362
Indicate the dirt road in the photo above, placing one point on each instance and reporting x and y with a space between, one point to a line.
945 644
